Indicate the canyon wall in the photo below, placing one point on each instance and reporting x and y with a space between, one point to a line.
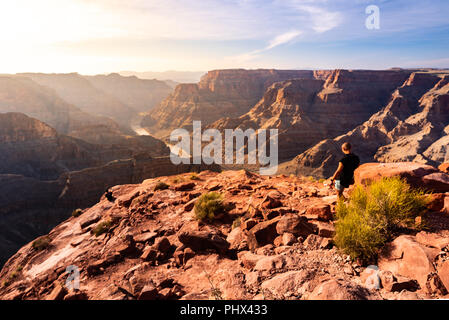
219 94
413 126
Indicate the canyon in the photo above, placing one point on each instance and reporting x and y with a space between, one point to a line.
96 147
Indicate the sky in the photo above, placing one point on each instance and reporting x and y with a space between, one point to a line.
103 36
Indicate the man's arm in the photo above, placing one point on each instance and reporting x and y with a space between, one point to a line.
338 172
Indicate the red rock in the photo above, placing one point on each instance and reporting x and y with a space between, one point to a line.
288 239
270 263
444 167
325 229
339 290
262 233
407 257
288 282
149 292
403 283
57 293
270 203
443 273
189 205
277 242
417 175
203 240
162 244
187 186
188 254
294 224
149 254
436 286
315 242
76 295
323 212
437 202
237 239
248 224
432 240
178 256
387 279
249 259
145 237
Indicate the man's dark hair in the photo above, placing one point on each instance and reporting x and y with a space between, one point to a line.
346 146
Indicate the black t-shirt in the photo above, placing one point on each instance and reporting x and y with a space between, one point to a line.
350 163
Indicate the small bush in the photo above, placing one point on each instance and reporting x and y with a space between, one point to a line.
161 186
77 212
374 213
102 227
237 223
311 179
322 180
194 176
209 205
41 243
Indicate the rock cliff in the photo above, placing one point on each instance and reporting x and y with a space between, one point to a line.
220 93
413 126
306 111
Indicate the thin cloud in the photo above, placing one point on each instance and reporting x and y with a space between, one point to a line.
281 39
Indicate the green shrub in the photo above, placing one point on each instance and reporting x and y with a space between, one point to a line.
161 186
77 213
102 227
41 243
373 215
209 205
311 179
237 223
194 176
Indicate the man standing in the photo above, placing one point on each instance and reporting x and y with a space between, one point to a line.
344 176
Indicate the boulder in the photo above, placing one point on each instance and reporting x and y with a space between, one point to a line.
203 240
416 174
249 259
237 239
288 239
315 242
324 229
339 290
407 257
270 263
162 244
263 233
433 240
149 292
187 186
322 212
294 224
437 202
286 284
57 293
443 273
149 254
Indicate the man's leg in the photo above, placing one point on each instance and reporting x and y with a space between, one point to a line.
340 194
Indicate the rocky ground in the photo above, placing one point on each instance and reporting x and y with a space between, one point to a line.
275 243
